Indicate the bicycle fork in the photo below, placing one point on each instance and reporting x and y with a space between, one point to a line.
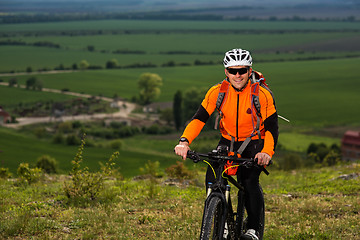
224 229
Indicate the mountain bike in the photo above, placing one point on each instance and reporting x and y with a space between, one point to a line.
219 220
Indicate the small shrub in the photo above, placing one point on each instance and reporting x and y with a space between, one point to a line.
4 173
40 132
153 129
291 161
116 144
27 174
85 185
76 124
151 169
58 138
65 127
179 171
72 139
47 164
332 158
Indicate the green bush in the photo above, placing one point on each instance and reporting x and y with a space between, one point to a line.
27 174
72 139
179 171
321 154
5 173
76 124
332 158
47 164
58 138
65 127
116 144
151 170
291 161
40 132
85 185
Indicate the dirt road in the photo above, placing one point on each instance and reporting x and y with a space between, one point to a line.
125 108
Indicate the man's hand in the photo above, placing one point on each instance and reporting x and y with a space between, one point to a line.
181 149
263 158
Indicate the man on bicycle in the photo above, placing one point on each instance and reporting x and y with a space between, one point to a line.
241 129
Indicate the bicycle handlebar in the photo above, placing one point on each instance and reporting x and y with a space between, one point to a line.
215 156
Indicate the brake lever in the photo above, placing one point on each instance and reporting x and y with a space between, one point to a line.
263 167
193 156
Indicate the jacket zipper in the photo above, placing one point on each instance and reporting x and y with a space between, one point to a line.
237 118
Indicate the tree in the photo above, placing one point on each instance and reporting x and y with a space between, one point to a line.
177 110
90 48
149 85
84 64
29 70
167 115
38 85
12 82
191 101
113 63
34 84
30 83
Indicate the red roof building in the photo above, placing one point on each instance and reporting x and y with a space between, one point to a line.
350 145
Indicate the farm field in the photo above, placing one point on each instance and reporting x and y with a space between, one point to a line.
310 66
304 90
161 42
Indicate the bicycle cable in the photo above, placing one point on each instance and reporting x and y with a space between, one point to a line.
210 167
233 166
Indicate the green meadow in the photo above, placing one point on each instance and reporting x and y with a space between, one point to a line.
310 67
312 93
187 41
16 148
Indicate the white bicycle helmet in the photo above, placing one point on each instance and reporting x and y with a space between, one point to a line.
237 57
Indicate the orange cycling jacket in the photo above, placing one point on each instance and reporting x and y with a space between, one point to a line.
238 116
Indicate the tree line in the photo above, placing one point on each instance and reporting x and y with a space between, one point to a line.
173 15
35 44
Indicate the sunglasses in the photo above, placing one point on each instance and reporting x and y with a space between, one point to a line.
234 71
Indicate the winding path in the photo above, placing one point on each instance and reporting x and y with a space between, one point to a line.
125 108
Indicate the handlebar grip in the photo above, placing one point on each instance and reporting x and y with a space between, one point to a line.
263 167
193 156
270 162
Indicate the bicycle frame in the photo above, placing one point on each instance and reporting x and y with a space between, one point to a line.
219 189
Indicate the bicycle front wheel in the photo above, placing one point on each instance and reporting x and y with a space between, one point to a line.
211 227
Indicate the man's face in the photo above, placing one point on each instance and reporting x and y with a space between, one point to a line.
238 75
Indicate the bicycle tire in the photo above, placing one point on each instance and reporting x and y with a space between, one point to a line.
211 228
231 225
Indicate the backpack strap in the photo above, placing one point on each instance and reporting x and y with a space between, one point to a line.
256 103
224 88
257 80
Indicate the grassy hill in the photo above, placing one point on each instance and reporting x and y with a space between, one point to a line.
17 148
303 204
